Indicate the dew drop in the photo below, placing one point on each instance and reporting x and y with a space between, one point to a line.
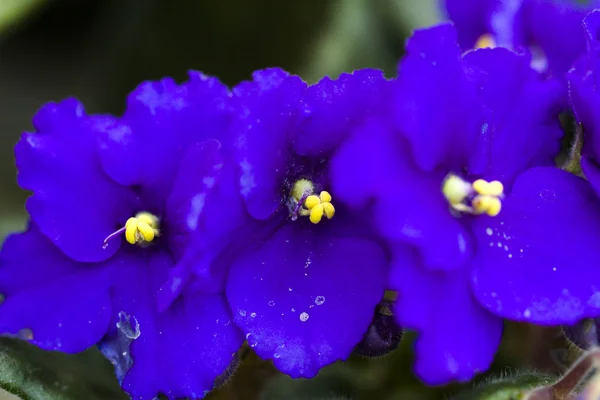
527 313
489 231
293 310
319 300
271 303
304 317
252 342
253 315
276 355
242 313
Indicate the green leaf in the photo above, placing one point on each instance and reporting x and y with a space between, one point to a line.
33 374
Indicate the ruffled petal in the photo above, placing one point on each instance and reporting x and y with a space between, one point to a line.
373 164
537 260
267 108
162 118
435 106
457 337
306 296
48 299
332 107
20 268
179 352
204 214
521 128
59 164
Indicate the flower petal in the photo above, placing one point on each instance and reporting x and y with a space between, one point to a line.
267 109
65 305
435 106
59 163
373 164
521 128
306 297
457 337
179 352
333 107
204 213
163 118
536 259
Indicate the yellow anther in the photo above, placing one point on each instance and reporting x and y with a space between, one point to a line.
303 202
493 188
141 229
487 205
316 213
329 210
481 197
312 201
485 41
325 197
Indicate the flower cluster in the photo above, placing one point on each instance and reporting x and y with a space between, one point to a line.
278 213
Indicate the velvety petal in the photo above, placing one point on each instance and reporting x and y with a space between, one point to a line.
472 18
162 118
204 213
521 127
435 106
60 165
65 305
457 337
537 260
267 108
20 266
305 298
181 351
373 164
332 107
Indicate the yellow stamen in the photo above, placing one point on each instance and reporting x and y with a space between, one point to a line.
305 203
141 229
480 197
485 41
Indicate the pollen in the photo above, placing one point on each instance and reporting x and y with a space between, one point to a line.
305 203
479 197
141 229
485 41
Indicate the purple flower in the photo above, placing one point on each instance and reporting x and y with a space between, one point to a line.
73 280
462 185
305 294
550 29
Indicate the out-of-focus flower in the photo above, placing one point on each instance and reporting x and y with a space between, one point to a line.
462 185
306 294
551 30
115 203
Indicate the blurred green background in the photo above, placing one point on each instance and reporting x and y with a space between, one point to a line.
99 50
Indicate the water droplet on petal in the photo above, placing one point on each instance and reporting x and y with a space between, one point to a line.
271 303
319 300
304 317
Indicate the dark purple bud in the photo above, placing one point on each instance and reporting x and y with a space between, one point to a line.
383 335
